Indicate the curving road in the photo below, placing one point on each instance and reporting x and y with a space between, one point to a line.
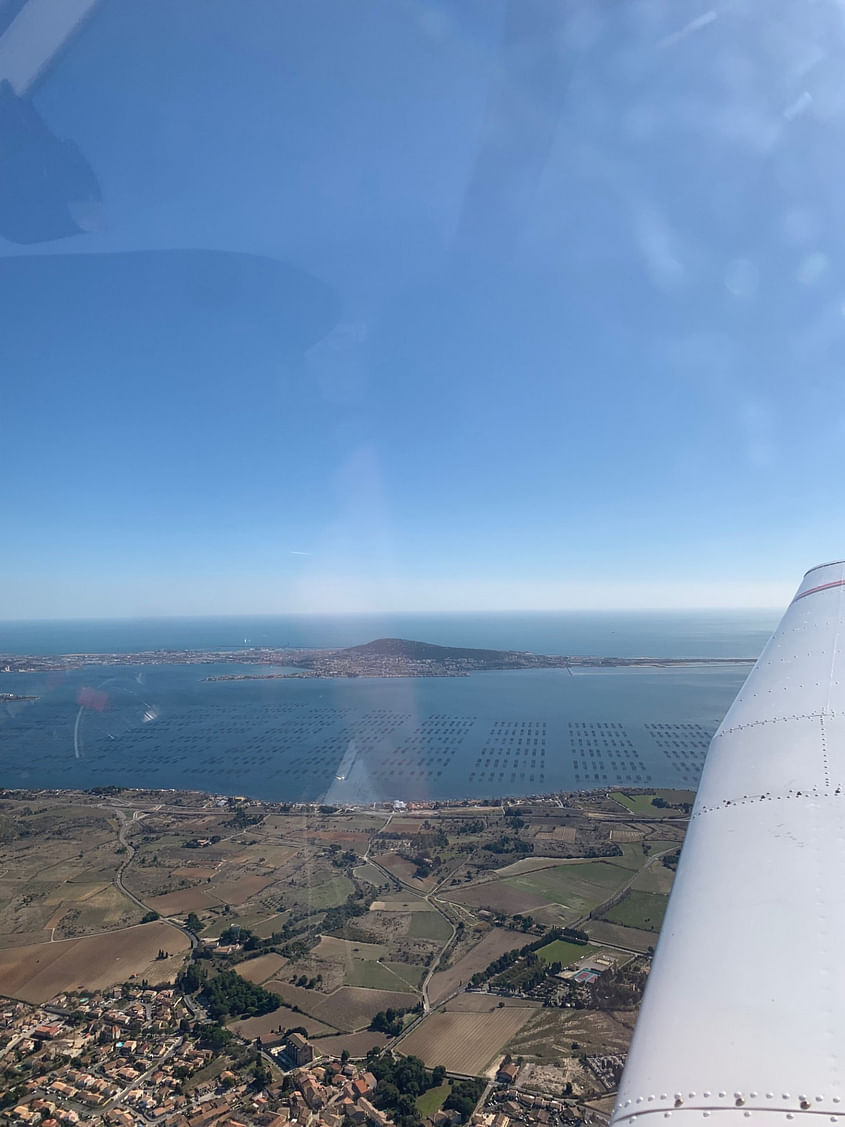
130 854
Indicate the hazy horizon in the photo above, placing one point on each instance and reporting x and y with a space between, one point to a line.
432 612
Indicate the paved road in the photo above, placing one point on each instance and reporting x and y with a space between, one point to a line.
125 823
430 898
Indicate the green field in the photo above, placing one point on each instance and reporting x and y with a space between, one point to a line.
636 803
361 972
632 857
656 878
428 925
432 1100
370 874
579 887
639 909
559 951
330 893
412 973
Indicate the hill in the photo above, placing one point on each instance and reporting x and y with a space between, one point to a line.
426 651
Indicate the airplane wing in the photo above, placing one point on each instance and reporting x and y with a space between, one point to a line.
744 1014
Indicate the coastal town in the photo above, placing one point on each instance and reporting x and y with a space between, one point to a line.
138 1055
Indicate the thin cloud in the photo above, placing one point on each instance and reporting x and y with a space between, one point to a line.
688 29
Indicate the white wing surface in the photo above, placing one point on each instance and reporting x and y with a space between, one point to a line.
744 1014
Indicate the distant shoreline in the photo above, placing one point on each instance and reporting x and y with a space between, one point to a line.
385 657
222 800
574 663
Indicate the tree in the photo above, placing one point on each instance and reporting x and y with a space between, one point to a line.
193 922
229 994
388 1094
213 1037
464 1096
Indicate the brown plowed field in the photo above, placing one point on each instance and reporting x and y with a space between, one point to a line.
352 1007
356 1044
38 972
498 896
195 872
465 1042
182 901
240 889
267 1025
260 969
493 944
348 1008
307 1000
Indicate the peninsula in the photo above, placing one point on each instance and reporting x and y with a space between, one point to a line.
384 657
401 657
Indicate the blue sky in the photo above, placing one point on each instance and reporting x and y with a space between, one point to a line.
407 305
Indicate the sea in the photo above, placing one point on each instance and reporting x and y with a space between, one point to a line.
372 740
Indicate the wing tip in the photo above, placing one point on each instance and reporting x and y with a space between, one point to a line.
821 566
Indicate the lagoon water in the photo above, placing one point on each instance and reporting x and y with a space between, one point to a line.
372 739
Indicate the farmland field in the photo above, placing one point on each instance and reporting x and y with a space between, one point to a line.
637 803
273 873
657 845
527 865
549 1035
480 1002
370 874
639 909
238 890
360 972
567 834
38 972
576 888
404 869
267 1025
352 1007
428 925
344 950
260 969
329 893
656 878
307 1000
468 1043
601 931
182 901
348 1007
495 943
625 834
632 857
551 883
267 926
98 908
559 951
496 896
356 1044
412 973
